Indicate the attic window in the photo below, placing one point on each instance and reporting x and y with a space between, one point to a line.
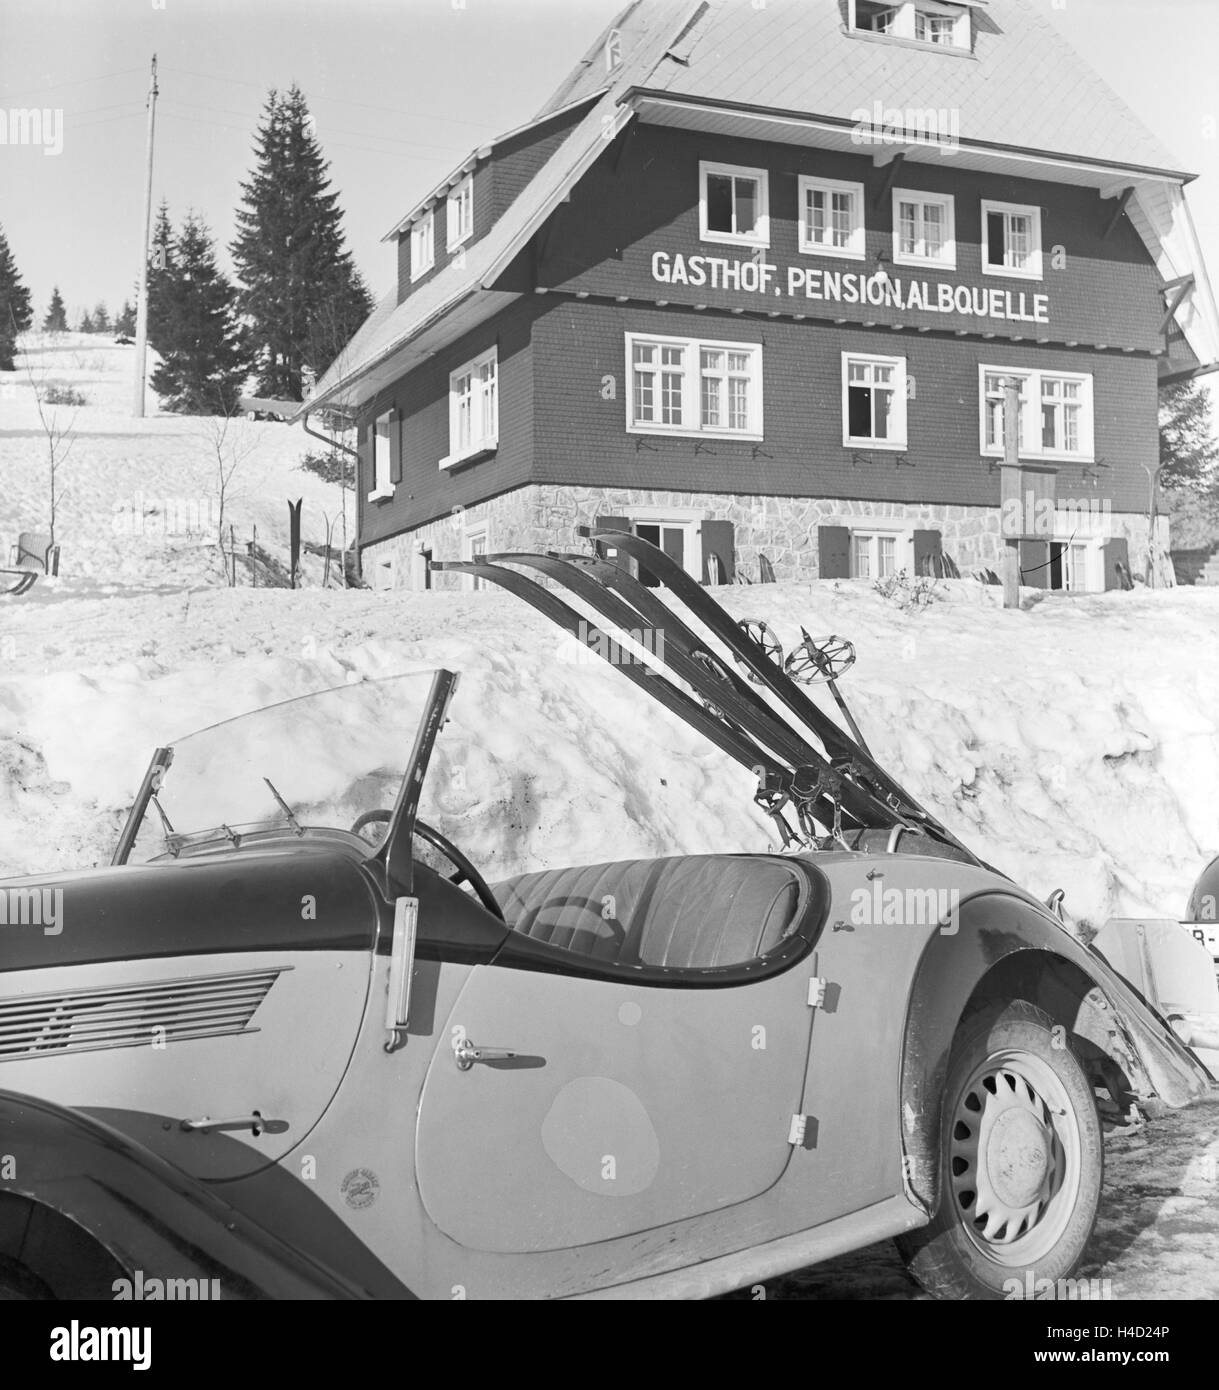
930 22
613 49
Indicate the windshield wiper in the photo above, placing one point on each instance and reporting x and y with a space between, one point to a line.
285 808
172 843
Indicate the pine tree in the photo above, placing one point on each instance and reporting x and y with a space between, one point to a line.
204 357
56 320
16 312
124 325
161 270
302 294
86 323
101 318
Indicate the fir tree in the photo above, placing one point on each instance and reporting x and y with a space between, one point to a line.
1188 453
101 318
56 320
16 313
160 276
204 358
86 323
302 294
124 325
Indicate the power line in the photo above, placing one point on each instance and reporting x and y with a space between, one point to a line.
76 82
244 130
344 101
324 133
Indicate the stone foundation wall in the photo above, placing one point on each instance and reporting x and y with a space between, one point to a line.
784 529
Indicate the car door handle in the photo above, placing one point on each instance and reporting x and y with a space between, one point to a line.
256 1123
465 1054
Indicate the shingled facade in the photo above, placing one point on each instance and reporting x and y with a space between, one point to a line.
749 285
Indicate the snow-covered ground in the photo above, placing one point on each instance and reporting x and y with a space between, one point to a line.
1073 743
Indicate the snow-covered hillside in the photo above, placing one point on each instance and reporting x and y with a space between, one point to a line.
1074 743
135 496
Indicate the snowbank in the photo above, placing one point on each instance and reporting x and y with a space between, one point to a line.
1074 743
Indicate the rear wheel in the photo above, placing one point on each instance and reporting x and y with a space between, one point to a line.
1021 1160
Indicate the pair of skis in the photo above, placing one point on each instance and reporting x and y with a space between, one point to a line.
837 786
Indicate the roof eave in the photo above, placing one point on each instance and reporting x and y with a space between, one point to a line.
641 95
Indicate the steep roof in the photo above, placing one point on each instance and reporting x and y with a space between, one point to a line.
1023 89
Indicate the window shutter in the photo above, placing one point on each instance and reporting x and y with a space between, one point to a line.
928 553
1117 552
1035 564
610 552
395 446
834 552
365 447
718 548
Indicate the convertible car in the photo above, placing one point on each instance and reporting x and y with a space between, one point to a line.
291 1044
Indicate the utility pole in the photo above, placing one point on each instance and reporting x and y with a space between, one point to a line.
141 325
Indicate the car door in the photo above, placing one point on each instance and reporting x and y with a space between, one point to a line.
625 1107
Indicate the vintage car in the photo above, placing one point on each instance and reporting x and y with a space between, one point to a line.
290 1044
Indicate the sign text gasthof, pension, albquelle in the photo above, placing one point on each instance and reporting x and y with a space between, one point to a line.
756 276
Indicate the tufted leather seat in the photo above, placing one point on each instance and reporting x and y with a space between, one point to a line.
695 911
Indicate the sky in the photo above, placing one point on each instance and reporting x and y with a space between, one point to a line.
401 91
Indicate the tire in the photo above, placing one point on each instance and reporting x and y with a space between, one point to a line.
18 1285
1021 1161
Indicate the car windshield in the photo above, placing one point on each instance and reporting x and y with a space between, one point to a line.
320 761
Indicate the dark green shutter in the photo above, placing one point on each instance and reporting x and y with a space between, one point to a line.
1117 552
834 552
1035 564
718 542
928 553
395 446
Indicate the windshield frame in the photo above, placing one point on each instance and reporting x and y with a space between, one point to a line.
406 804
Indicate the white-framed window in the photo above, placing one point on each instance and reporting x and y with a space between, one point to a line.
692 386
473 409
476 545
1011 240
733 204
459 211
875 554
873 401
382 486
939 25
423 244
1056 420
924 229
831 218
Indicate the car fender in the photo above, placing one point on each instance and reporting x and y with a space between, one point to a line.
1003 944
154 1221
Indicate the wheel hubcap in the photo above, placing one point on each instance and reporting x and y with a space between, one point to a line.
1014 1157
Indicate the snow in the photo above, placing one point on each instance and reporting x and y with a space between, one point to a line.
1073 743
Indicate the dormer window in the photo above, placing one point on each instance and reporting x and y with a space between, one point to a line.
876 19
613 49
930 22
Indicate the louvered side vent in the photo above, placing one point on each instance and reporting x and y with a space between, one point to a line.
143 1015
